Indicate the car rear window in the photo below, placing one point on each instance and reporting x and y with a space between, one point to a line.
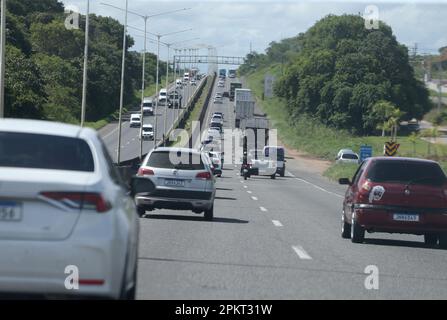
176 160
407 172
350 156
279 153
38 151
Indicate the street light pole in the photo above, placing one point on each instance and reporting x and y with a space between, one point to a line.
123 65
143 86
167 91
2 58
157 94
84 79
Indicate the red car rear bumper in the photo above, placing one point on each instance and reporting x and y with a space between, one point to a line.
384 219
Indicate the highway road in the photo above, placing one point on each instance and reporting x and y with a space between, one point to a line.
278 239
130 143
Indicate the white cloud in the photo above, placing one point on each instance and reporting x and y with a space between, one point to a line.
231 25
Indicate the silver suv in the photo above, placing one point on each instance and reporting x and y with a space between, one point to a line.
183 180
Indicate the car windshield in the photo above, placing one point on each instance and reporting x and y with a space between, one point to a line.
350 156
148 129
176 160
38 151
412 172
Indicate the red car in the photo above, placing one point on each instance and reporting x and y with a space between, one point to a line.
396 195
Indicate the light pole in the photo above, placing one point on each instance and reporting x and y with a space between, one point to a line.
145 17
156 81
84 78
168 45
2 59
122 84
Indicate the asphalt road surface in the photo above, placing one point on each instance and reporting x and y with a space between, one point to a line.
278 239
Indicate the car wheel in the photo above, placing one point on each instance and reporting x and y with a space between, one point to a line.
131 293
357 232
141 211
282 174
209 213
430 239
273 176
345 228
443 241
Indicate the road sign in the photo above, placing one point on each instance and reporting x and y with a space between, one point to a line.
365 152
268 86
390 148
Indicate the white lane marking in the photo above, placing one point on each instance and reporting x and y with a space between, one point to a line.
245 187
254 198
242 181
263 209
302 254
249 192
290 174
277 223
320 188
128 142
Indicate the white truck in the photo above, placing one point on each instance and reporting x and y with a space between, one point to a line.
244 105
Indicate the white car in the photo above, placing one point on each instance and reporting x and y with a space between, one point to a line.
147 132
347 156
218 100
64 214
148 107
135 120
183 180
216 159
217 118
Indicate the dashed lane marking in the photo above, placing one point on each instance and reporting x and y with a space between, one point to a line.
302 254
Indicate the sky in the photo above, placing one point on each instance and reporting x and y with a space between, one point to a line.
233 26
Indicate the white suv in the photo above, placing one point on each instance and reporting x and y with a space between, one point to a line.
183 179
135 120
63 207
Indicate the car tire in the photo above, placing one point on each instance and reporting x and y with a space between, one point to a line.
209 213
141 211
430 240
345 228
443 241
357 233
282 174
273 176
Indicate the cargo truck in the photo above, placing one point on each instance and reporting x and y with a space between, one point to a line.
244 105
232 73
234 86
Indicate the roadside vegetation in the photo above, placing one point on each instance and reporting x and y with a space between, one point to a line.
44 65
326 101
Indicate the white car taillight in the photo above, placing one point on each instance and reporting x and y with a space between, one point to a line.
204 175
145 172
79 200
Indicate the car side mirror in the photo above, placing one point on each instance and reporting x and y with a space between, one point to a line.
139 185
344 181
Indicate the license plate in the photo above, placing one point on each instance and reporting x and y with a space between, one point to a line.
174 183
10 211
406 217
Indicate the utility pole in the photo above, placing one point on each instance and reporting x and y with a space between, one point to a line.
143 86
84 78
123 68
2 58
167 96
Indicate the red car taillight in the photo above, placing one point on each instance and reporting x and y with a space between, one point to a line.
204 175
80 200
145 172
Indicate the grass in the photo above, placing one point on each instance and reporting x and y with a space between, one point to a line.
322 142
103 122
